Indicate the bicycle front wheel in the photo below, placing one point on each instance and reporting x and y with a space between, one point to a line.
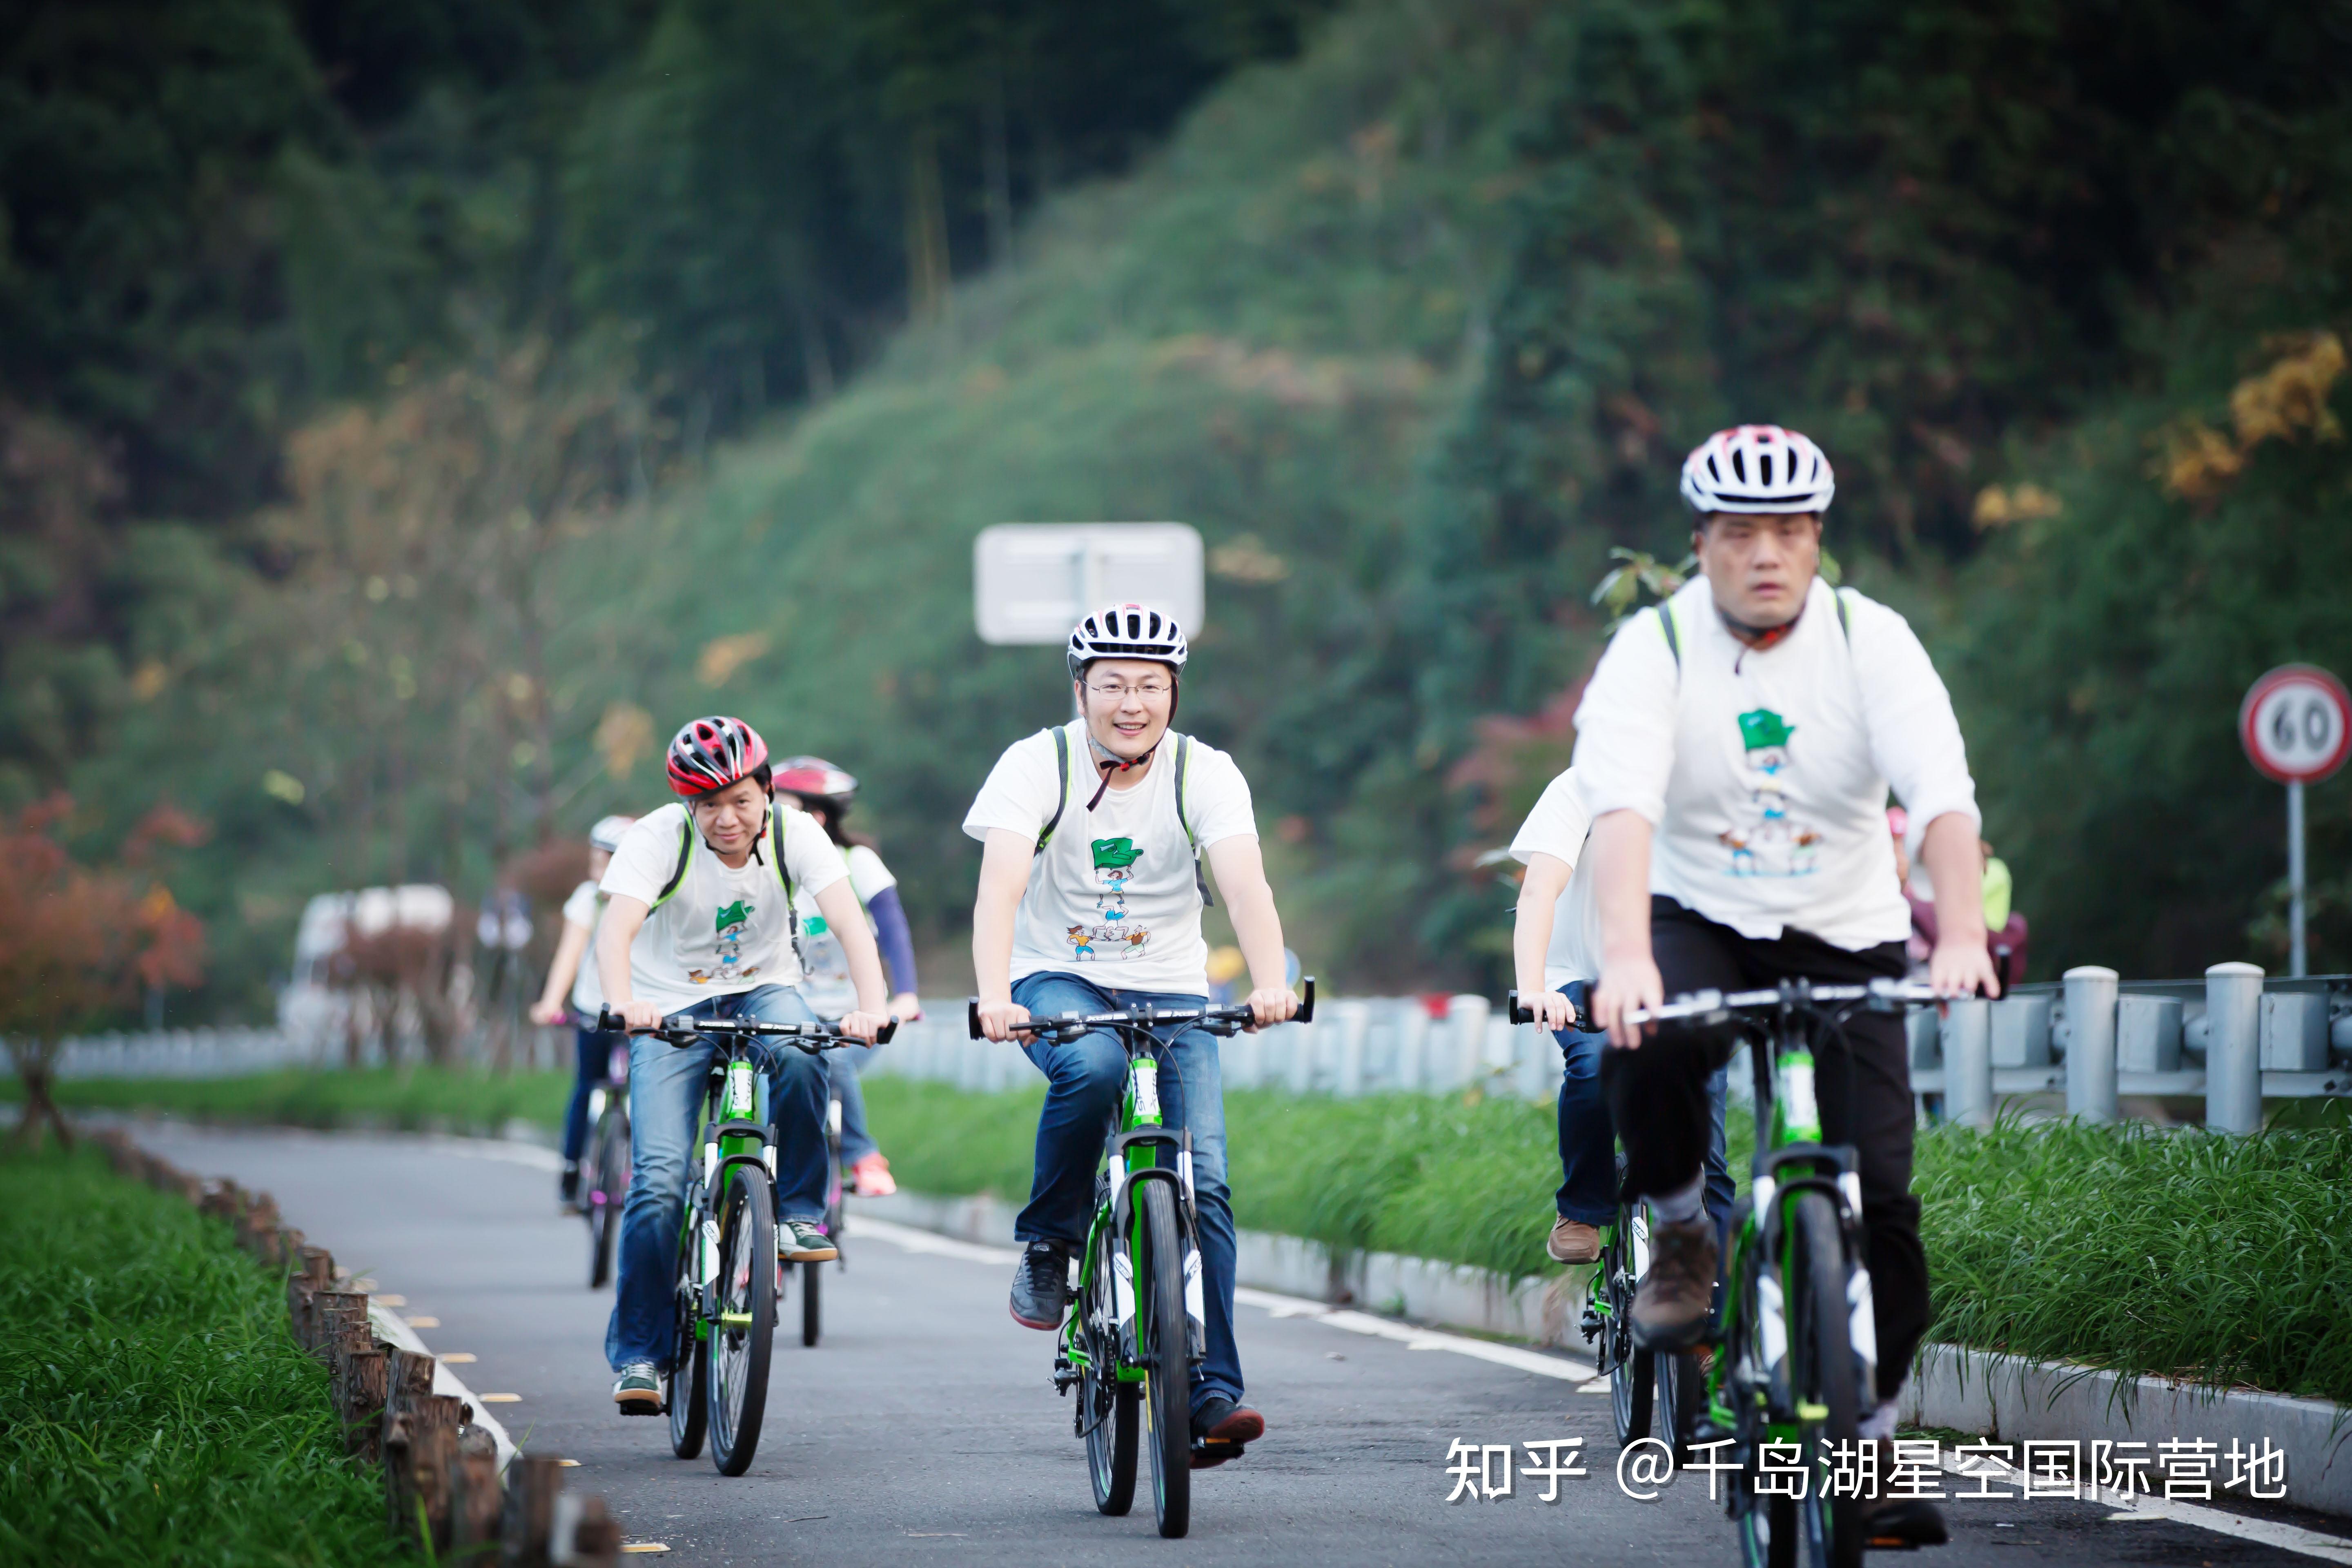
743 1338
1159 1337
1822 1375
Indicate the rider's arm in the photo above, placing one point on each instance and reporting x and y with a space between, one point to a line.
892 935
623 916
569 950
1004 862
1619 860
838 903
1961 964
1539 891
1257 928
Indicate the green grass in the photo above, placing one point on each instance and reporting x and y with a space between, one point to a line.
2178 1252
409 1098
153 1408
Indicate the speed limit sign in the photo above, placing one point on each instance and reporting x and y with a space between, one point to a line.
2296 724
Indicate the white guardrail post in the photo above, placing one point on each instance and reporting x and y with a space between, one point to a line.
2233 1060
2090 1042
1967 1062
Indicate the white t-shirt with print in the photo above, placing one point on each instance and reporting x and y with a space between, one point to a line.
585 907
1558 827
1766 770
723 930
1113 898
828 987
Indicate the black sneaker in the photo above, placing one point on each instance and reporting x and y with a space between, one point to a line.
1041 1286
567 1190
1221 1429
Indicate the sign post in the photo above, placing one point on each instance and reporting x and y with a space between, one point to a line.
2296 726
1032 581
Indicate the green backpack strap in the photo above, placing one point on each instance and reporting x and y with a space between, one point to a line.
678 873
1845 614
1183 820
1672 634
1062 792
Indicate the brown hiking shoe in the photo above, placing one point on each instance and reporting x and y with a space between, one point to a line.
1671 1309
1573 1241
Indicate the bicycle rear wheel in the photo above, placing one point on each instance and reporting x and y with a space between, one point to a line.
812 1302
1632 1372
611 1186
1822 1375
689 1393
1106 1407
1682 1401
1160 1336
743 1339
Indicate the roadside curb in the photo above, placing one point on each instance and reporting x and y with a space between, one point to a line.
454 1482
2009 1398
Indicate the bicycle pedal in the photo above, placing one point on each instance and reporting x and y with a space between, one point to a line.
1209 1453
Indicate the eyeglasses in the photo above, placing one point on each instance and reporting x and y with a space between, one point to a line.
1149 690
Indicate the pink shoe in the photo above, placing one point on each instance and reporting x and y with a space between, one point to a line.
873 1176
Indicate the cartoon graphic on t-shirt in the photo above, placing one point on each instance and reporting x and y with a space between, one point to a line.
1114 867
734 921
1770 844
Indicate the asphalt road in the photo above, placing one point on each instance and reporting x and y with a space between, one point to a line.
923 1428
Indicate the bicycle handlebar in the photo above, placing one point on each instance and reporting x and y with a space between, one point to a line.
683 1029
1070 1026
1883 994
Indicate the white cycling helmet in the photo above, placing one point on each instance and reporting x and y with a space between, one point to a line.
1126 631
606 833
1760 469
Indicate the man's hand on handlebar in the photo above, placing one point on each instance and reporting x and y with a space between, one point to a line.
1628 983
998 1019
1963 968
906 1007
547 1012
639 1014
864 1025
1271 1005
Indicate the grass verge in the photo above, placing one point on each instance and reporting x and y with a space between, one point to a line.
153 1406
410 1098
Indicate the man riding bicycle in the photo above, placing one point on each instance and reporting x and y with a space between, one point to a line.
1091 900
1736 745
699 920
569 977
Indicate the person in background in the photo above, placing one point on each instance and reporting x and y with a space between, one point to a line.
825 791
568 976
1226 965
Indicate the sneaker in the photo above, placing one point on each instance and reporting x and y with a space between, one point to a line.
567 1187
639 1391
1902 1524
1041 1286
1671 1309
873 1176
1573 1241
1221 1429
803 1241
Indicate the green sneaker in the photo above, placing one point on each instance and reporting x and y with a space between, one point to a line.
639 1390
803 1241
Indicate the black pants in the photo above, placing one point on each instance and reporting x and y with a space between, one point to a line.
1657 1096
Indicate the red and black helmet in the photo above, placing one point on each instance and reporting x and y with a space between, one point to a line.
710 753
816 779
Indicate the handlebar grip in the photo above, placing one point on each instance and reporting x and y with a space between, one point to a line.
882 1036
607 1021
972 1016
1519 1015
1305 1013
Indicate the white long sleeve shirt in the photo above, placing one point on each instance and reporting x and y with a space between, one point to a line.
1765 772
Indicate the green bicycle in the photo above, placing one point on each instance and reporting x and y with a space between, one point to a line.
1796 1340
1135 1326
728 1277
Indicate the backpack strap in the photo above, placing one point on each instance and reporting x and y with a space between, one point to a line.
1672 632
686 836
1062 794
776 813
1183 776
1845 614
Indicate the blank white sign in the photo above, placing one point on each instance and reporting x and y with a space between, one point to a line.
1032 581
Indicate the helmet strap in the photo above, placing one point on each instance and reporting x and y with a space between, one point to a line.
1758 638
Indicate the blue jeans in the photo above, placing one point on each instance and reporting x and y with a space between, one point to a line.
1084 1082
1587 1139
667 1087
595 1048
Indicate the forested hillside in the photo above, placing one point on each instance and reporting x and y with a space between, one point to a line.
642 386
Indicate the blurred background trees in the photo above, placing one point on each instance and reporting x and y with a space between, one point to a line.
410 411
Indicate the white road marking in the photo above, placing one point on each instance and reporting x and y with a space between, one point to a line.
2132 1508
1409 1335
